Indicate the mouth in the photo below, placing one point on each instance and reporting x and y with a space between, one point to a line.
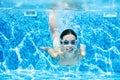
69 49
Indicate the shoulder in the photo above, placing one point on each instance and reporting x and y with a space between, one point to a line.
58 50
77 51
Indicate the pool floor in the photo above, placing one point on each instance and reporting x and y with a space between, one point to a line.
38 74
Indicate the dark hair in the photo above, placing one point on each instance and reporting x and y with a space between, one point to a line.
67 31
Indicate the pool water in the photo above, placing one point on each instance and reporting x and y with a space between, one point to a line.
22 34
38 75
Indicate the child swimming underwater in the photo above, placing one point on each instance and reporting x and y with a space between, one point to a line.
67 53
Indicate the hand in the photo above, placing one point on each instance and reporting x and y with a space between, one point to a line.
82 46
45 48
82 49
51 51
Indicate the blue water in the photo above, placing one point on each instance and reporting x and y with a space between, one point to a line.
22 36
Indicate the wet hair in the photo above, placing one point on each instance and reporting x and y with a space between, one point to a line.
66 32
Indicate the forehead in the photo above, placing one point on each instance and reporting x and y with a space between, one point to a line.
69 37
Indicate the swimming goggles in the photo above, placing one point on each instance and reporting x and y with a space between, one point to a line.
66 42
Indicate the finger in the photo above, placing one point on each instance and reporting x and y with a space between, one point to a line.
42 47
82 46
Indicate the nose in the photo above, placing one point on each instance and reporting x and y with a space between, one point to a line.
69 44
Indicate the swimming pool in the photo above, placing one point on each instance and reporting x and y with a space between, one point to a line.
23 31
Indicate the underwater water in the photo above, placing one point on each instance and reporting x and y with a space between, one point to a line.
21 37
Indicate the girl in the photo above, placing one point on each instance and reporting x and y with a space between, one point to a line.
65 47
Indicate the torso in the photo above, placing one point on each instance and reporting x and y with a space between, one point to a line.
69 59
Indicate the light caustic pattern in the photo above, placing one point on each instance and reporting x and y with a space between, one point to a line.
21 37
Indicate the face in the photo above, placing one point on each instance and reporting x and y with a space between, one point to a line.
69 43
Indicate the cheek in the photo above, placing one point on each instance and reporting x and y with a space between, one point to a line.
68 46
64 46
74 46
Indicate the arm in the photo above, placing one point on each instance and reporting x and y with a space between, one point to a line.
53 52
82 50
52 22
50 51
53 28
